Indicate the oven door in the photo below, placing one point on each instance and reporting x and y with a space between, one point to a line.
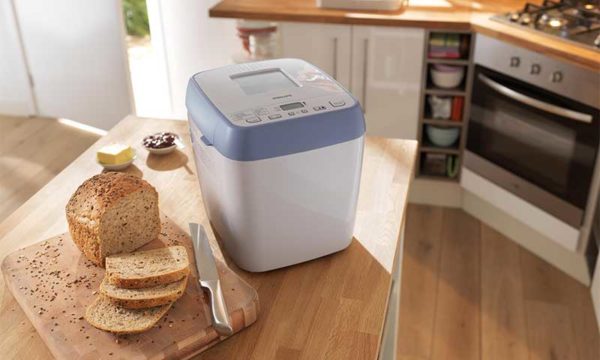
536 144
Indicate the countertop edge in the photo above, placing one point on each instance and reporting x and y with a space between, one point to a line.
475 22
335 18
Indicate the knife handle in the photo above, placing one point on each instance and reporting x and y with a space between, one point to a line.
219 314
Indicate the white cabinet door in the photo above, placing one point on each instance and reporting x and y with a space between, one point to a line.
326 46
77 59
386 78
15 92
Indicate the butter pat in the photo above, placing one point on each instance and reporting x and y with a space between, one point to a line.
115 154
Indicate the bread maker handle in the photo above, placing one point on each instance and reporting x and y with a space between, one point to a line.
205 141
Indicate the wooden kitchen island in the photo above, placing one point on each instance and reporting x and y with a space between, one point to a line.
333 307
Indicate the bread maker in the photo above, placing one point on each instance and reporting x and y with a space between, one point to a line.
278 148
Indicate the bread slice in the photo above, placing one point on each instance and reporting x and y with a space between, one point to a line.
144 298
148 268
113 213
107 316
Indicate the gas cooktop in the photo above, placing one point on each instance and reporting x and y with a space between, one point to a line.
573 20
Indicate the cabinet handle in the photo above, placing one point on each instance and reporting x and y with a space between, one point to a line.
365 67
335 58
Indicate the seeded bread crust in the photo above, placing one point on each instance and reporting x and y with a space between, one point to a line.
117 267
91 201
144 298
106 315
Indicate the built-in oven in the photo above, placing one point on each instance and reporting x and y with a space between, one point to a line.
536 144
534 128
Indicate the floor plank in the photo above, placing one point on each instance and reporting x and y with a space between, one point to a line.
33 151
554 299
523 307
420 276
503 322
549 332
585 328
457 323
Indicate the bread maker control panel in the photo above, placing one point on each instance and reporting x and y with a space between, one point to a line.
260 93
286 111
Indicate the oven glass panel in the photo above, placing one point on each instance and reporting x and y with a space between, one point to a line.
551 151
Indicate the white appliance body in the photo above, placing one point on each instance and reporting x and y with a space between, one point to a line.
276 212
272 206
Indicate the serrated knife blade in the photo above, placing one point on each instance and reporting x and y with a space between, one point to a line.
209 279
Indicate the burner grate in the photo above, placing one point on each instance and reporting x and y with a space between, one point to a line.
575 20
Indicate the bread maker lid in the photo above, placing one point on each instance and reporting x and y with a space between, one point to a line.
290 107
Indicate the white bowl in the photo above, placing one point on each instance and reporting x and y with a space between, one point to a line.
120 166
442 136
165 150
447 79
162 151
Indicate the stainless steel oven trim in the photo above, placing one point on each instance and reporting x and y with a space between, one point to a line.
535 103
527 191
578 83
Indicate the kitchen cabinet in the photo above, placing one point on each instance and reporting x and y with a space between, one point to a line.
386 78
326 46
381 66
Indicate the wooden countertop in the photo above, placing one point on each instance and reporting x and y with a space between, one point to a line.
467 15
334 305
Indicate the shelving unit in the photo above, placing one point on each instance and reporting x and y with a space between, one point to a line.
428 148
449 92
440 122
447 61
431 156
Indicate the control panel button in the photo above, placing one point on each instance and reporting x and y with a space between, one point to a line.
319 108
252 120
261 111
535 69
291 113
557 76
337 103
243 115
304 111
515 61
274 116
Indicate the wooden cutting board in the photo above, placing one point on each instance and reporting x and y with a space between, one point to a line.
54 283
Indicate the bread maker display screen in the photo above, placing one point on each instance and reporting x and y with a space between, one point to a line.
291 106
257 83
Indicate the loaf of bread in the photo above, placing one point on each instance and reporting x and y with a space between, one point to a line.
146 297
148 268
113 213
108 316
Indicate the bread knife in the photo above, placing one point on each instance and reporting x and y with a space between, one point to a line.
209 279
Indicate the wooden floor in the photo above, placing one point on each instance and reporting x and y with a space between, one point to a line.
33 151
468 292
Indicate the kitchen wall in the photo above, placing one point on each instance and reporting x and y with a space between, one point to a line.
15 93
188 42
